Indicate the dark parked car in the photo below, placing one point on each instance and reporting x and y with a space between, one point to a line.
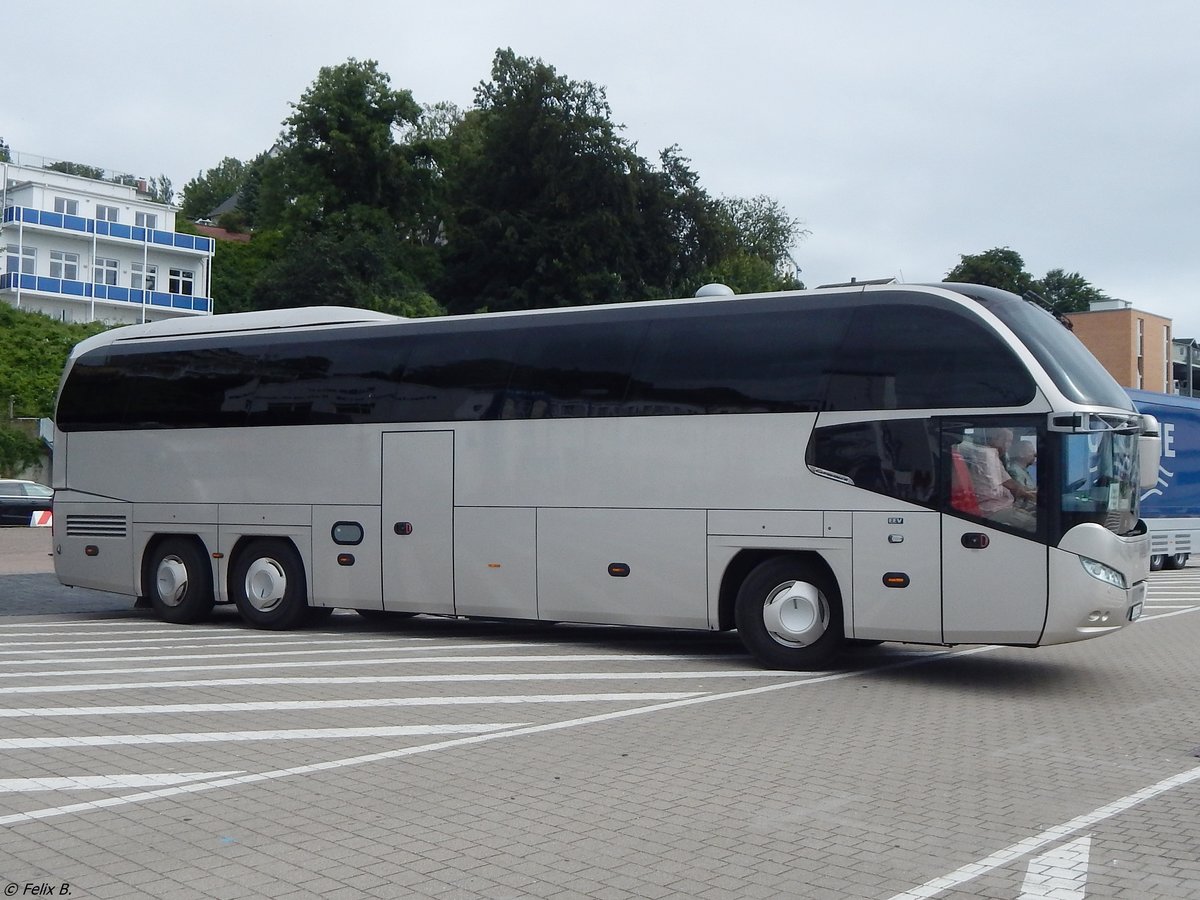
20 499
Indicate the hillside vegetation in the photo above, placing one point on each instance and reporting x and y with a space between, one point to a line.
33 351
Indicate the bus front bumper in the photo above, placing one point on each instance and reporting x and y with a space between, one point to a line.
1083 605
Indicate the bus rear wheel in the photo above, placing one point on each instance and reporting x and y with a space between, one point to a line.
178 581
789 614
268 585
1176 561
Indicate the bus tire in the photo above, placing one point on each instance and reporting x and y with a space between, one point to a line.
178 581
268 585
789 614
1176 561
1157 561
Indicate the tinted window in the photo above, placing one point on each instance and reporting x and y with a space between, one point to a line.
916 356
573 371
317 381
457 375
993 472
897 457
1070 365
896 350
737 362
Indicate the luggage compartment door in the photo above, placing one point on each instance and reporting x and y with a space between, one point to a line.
418 521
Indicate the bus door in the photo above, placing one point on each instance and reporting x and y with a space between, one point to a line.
994 559
418 521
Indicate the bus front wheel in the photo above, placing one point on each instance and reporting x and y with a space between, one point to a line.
268 585
789 614
178 581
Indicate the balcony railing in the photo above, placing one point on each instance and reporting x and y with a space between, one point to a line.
84 290
140 235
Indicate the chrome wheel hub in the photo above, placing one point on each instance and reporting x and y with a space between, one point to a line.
266 584
795 613
171 580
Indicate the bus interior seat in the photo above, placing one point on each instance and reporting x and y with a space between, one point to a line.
962 491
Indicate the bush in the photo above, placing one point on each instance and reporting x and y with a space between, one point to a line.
18 451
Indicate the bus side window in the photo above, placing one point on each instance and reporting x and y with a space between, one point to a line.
896 457
985 467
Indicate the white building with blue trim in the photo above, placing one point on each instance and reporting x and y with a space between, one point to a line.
83 249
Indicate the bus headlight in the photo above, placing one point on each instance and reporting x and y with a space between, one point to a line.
1104 573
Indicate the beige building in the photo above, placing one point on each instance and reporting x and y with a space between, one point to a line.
1134 346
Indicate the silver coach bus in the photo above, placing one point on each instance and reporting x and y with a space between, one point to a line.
806 467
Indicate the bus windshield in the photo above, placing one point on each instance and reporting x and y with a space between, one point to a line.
1072 367
1099 480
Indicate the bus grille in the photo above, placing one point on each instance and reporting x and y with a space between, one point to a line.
96 526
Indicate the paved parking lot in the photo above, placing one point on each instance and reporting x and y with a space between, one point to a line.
438 758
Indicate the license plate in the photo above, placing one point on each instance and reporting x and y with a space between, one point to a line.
1135 612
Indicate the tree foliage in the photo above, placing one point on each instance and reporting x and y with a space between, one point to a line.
5 153
999 267
33 351
339 151
549 205
74 168
210 189
530 198
1067 292
1004 268
18 451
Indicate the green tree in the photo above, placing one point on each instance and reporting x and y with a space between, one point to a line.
353 262
544 196
5 153
212 188
683 229
238 270
1058 290
158 189
1067 292
338 150
73 168
761 236
999 267
18 451
33 352
348 199
549 205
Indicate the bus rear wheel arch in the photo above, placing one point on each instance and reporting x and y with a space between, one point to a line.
268 584
177 579
788 613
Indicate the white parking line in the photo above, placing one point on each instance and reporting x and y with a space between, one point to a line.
341 663
291 705
1060 874
221 737
47 648
103 782
489 677
1011 854
456 743
141 657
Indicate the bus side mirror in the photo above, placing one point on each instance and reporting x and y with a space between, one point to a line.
1149 451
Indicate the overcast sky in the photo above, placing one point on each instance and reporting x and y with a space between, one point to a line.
902 134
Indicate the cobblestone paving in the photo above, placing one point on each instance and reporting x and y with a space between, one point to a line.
451 759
